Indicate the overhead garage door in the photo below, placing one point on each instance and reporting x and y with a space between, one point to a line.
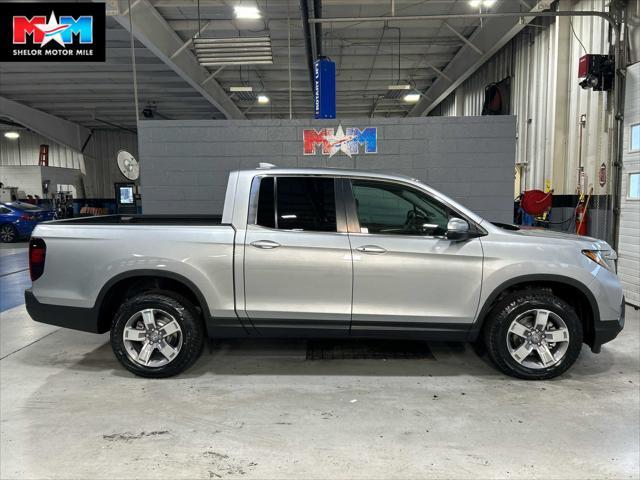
629 236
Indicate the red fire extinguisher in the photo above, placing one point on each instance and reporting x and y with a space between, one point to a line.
581 215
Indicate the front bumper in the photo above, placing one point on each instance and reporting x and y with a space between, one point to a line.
605 331
76 318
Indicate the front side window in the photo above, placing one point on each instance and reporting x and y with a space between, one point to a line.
388 208
301 203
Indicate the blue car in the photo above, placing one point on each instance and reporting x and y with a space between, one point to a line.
18 219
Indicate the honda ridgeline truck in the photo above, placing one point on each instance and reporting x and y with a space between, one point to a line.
326 253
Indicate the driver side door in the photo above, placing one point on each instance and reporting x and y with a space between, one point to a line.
407 275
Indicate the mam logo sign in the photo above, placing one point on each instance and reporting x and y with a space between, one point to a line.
52 32
331 142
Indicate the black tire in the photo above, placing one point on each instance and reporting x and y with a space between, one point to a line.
185 314
507 310
8 233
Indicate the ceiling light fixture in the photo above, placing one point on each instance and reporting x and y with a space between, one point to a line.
263 99
396 91
233 51
399 87
484 3
12 135
244 12
412 97
241 89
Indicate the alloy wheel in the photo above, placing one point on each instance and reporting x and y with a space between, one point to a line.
7 233
152 338
538 339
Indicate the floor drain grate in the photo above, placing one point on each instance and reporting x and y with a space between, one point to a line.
352 349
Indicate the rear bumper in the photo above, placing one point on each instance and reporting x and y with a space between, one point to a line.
605 331
24 229
76 318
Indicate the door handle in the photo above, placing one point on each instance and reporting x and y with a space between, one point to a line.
266 244
371 249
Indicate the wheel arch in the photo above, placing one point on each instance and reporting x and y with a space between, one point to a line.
127 284
574 292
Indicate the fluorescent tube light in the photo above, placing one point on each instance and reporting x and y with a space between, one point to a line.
412 97
244 12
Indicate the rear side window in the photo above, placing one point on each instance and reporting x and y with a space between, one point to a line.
297 203
266 212
306 203
4 210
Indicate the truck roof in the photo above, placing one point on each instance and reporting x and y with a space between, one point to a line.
337 172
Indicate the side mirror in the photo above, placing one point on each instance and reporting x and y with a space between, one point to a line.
457 229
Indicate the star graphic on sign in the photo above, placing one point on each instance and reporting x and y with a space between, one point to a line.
339 142
52 31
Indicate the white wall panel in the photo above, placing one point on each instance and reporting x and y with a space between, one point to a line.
25 151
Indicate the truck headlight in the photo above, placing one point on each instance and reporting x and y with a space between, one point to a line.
605 259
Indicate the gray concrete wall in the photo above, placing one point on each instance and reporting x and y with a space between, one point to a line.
184 164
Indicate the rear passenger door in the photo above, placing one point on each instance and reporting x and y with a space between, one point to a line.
297 264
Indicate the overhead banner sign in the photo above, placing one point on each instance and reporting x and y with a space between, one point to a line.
324 78
348 142
52 32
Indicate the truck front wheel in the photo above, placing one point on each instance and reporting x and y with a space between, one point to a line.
533 335
156 335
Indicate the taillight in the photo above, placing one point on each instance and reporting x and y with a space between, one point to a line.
27 218
37 254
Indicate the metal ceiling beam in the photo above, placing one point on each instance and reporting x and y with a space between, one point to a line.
455 16
55 128
463 38
150 28
496 32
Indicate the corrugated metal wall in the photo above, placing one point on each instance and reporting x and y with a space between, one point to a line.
25 151
593 33
98 164
100 158
531 60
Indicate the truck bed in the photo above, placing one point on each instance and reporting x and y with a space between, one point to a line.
125 219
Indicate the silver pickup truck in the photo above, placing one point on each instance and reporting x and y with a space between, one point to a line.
326 253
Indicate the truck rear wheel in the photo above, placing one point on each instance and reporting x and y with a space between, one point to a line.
157 335
533 335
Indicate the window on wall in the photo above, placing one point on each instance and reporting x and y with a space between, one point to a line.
633 191
634 144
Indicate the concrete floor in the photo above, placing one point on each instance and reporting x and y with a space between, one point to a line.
260 410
